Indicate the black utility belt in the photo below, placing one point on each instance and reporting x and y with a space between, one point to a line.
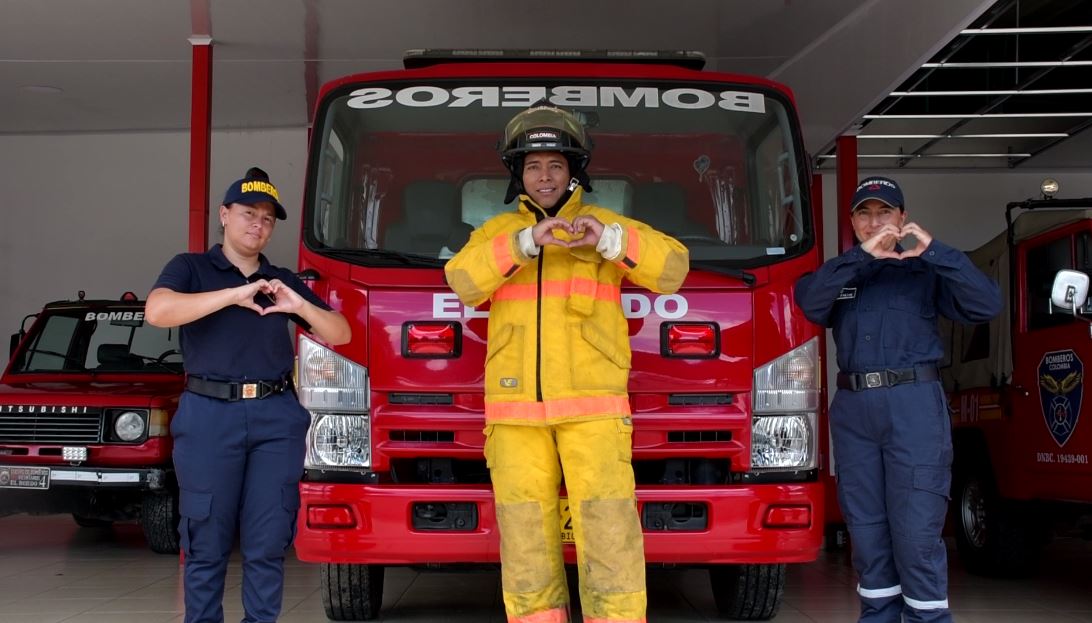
232 391
860 381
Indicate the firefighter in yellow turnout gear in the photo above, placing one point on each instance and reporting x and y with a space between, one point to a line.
556 372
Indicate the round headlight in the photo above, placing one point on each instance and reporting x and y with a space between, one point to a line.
129 426
1049 187
340 440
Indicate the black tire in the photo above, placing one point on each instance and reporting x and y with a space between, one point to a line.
91 522
835 537
995 537
159 519
748 592
351 592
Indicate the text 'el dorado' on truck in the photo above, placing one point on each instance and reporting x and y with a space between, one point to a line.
724 374
85 405
1016 389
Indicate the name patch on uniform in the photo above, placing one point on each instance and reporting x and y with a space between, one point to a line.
846 294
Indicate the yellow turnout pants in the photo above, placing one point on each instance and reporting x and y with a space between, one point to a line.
526 465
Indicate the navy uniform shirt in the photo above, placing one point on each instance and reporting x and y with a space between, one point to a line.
234 343
884 311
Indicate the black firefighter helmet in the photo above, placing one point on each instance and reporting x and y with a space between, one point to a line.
545 128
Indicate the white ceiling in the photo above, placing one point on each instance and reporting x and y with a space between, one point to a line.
124 65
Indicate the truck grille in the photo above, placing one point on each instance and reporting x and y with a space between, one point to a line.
51 428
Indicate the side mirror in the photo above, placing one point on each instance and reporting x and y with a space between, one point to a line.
1070 291
15 339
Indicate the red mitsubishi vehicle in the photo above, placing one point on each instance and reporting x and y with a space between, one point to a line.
729 429
85 408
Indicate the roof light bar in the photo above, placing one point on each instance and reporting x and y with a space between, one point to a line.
998 135
1014 115
997 92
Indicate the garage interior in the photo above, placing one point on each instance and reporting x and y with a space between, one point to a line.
970 104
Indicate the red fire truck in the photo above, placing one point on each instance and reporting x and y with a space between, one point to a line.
85 405
725 382
1016 385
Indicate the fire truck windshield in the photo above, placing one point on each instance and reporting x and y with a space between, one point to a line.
413 168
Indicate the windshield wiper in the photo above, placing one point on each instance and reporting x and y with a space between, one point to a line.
53 353
409 259
748 278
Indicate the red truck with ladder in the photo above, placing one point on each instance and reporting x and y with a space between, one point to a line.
729 423
1016 389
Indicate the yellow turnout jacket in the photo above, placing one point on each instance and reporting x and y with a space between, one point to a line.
558 345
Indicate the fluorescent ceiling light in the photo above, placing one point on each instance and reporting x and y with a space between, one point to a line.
1036 30
999 135
989 64
998 92
909 156
1014 115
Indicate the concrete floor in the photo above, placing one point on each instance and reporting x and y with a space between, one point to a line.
52 571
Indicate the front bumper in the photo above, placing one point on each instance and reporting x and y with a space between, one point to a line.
381 533
69 476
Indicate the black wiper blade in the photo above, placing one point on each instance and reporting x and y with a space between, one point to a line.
409 259
748 278
53 353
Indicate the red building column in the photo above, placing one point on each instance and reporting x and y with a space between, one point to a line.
200 142
847 184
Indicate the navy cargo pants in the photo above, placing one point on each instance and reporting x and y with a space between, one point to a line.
239 466
893 459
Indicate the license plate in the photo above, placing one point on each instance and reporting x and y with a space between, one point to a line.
566 523
13 477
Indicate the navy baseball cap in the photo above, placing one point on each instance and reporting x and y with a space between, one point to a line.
878 188
255 188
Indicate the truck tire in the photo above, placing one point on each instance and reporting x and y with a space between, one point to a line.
748 592
159 519
84 521
351 592
995 537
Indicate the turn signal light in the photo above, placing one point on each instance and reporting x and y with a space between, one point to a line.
690 340
796 516
431 339
335 516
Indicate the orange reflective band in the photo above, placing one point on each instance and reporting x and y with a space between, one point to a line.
600 620
502 254
553 615
557 409
560 289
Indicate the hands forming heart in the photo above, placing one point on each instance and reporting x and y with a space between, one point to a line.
282 298
583 231
882 243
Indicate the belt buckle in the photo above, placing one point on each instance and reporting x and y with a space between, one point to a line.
250 390
873 380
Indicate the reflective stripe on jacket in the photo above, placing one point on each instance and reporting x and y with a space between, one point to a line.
558 346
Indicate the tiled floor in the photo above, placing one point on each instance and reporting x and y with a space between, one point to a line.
52 571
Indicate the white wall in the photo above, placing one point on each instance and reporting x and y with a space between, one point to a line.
104 212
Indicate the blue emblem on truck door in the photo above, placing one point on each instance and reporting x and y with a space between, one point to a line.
1061 385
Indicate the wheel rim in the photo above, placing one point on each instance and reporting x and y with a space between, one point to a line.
973 513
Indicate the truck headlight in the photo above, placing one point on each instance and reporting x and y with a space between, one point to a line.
783 442
129 426
786 405
336 392
337 440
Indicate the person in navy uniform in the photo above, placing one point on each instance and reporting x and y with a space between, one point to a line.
889 418
239 431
